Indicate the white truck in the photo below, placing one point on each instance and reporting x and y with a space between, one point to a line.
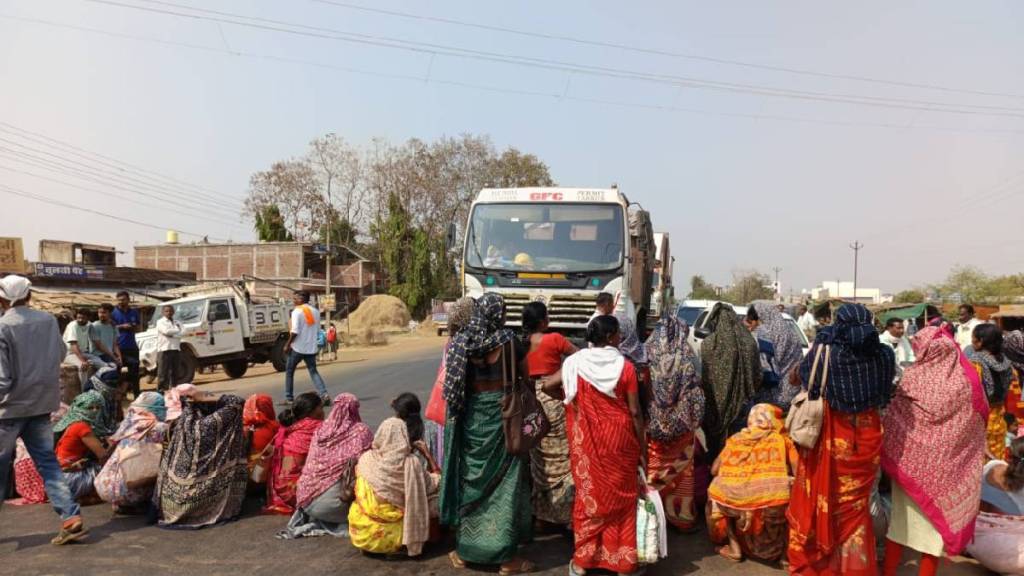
560 246
222 325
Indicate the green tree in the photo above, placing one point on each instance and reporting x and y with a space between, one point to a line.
701 289
407 256
270 225
747 286
909 297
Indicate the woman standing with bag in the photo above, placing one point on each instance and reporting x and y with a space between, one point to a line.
829 513
606 437
485 491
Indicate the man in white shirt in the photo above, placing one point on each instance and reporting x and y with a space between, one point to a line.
79 344
169 369
806 322
893 336
302 347
965 330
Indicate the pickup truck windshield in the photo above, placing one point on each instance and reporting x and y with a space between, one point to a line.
184 312
546 237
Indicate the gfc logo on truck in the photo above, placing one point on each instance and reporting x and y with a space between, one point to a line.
546 196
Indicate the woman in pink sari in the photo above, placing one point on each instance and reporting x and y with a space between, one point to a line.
291 446
933 449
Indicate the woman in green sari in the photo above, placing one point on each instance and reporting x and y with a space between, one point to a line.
485 492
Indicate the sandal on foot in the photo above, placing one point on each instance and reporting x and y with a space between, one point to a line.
525 567
70 532
573 571
457 563
724 552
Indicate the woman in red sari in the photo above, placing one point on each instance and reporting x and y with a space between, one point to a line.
831 531
291 446
261 426
606 433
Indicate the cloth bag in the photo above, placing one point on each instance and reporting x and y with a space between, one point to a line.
140 463
522 417
805 415
651 527
436 406
258 474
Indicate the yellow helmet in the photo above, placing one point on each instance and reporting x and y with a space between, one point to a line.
524 260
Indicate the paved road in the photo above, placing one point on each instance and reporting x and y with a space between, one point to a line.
126 545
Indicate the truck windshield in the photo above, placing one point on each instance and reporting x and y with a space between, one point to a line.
546 237
184 312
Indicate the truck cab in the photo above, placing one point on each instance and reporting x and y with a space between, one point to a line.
562 247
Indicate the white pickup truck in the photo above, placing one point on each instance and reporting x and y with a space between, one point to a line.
222 326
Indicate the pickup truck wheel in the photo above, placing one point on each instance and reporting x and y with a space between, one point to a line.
189 364
277 356
236 368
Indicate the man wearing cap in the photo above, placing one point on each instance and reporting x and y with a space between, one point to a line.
31 351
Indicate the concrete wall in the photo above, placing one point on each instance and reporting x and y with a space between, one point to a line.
216 262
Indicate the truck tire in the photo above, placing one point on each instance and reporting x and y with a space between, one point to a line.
277 356
189 364
236 368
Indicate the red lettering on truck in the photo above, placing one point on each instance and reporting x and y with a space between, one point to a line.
545 196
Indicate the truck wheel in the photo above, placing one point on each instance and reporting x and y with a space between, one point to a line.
277 356
189 364
236 368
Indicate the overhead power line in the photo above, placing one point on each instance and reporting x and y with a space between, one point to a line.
658 52
16 192
96 179
124 171
554 96
542 63
116 163
117 196
116 178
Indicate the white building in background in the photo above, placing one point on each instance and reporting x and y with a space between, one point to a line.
839 289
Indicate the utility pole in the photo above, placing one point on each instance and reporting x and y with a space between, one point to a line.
778 287
856 246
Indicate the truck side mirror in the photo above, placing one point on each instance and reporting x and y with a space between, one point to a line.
450 237
701 333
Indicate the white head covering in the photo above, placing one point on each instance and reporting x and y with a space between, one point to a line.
600 367
14 288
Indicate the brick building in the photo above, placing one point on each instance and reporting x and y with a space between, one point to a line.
270 269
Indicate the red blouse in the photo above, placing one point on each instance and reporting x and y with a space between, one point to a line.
546 358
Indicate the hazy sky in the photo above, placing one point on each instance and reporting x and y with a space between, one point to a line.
739 177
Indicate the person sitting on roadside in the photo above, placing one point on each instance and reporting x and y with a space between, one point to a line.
327 485
79 343
202 471
81 445
291 447
750 493
999 529
397 484
129 487
261 426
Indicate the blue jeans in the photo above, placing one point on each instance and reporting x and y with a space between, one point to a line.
289 374
37 434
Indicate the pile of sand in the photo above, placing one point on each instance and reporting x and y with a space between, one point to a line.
380 313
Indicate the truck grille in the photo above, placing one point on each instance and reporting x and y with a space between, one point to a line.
562 308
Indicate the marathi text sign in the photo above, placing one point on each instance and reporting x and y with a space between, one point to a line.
67 271
12 256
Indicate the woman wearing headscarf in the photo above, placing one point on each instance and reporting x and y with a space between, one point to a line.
632 347
458 318
485 492
996 371
142 429
830 523
106 381
933 451
261 426
395 494
203 467
787 353
676 409
750 493
731 373
81 443
606 437
291 448
174 397
327 484
1013 348
549 461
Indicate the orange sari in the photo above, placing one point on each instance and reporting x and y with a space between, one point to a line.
829 515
